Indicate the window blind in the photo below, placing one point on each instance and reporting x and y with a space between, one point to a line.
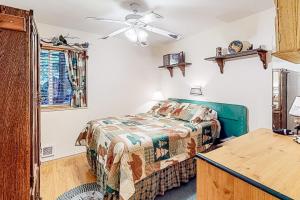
55 85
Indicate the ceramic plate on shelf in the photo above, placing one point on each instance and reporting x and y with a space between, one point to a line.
247 46
235 46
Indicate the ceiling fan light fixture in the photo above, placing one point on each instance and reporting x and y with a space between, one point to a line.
131 35
148 18
137 26
136 35
142 35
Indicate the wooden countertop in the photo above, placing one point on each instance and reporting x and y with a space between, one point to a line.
265 158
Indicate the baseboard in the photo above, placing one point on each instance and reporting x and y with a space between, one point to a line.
45 160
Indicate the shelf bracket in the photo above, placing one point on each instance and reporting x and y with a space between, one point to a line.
182 69
263 58
221 63
170 70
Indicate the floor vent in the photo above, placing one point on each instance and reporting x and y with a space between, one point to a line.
47 152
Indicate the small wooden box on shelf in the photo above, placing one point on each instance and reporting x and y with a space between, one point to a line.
178 61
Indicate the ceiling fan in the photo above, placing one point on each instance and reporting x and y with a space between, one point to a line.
137 26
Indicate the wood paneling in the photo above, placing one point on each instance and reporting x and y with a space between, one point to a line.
73 170
214 184
16 106
287 25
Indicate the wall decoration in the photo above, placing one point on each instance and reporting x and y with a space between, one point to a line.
181 57
220 60
218 51
166 60
247 46
235 46
62 41
174 60
239 46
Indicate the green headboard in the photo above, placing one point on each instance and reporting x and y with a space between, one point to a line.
233 118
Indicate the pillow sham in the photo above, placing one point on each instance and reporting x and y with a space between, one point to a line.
204 114
189 112
167 107
181 112
156 107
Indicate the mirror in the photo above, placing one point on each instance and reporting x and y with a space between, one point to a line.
279 101
285 87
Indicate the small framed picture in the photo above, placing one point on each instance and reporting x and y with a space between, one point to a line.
181 57
174 58
166 59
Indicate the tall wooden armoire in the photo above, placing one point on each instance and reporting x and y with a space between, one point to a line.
19 105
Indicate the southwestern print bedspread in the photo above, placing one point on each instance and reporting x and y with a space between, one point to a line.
133 147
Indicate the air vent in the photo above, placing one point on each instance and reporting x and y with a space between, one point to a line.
47 151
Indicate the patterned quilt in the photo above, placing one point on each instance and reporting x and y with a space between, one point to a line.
134 146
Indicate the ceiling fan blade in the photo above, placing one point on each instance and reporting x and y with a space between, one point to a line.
107 20
162 32
150 17
116 33
143 44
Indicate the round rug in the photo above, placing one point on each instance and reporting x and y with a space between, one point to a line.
89 191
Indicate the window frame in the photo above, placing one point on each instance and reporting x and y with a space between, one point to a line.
48 108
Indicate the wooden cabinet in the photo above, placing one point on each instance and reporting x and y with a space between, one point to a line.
288 30
259 165
215 183
19 105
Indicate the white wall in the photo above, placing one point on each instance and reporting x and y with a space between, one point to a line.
244 82
123 77
121 80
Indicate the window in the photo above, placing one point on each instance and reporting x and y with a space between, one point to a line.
56 89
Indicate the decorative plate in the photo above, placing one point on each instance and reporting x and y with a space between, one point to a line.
235 46
247 46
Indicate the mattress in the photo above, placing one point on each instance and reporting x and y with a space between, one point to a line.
133 147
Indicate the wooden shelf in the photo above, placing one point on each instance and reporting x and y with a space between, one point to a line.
220 60
181 66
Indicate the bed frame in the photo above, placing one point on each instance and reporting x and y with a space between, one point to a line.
233 118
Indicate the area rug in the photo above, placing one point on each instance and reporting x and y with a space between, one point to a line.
89 191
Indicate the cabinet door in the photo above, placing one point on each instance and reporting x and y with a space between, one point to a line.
287 25
35 113
14 110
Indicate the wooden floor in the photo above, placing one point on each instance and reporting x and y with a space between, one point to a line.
59 176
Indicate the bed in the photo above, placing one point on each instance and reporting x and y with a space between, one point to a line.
141 156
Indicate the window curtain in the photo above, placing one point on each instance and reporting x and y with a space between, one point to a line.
77 62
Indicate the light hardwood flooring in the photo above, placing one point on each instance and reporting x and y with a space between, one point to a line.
59 176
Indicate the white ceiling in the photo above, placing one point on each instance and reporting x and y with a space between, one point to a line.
185 17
